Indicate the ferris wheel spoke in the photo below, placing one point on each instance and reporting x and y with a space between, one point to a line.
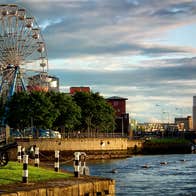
22 49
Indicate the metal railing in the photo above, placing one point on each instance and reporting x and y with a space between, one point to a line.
92 135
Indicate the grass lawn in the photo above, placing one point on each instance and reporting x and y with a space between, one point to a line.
12 173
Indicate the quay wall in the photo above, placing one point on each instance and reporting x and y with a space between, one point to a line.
95 148
94 188
77 144
99 148
135 143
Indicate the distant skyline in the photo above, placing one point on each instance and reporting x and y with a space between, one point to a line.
144 50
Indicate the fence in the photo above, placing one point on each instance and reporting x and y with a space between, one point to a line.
79 134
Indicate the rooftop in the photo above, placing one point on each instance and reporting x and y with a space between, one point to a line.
116 98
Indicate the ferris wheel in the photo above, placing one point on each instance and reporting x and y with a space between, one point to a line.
23 55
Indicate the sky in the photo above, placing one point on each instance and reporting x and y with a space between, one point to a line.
143 50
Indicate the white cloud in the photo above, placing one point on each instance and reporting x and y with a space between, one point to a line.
123 47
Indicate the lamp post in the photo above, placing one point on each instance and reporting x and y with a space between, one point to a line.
168 127
158 105
122 125
167 116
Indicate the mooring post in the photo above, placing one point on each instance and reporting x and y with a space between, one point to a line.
36 157
25 169
19 158
56 163
77 164
84 170
23 151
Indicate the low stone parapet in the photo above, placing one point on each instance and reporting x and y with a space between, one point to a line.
83 186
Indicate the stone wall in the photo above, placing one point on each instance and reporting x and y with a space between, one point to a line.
133 143
95 148
92 188
77 144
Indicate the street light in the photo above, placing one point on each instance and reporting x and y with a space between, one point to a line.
158 105
167 115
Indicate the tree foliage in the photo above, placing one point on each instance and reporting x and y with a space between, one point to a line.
83 111
42 110
69 113
25 109
97 114
17 114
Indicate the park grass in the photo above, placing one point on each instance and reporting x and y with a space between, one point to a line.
12 173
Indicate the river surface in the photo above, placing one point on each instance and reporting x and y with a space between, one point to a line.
149 175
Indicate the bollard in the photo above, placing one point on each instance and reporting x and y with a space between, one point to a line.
23 151
25 169
77 164
19 158
84 166
36 157
56 163
84 170
31 152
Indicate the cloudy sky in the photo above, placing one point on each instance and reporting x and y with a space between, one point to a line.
144 50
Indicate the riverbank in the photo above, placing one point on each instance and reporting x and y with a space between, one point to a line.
44 182
72 186
166 146
95 148
103 148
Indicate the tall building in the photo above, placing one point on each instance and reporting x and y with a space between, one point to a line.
194 113
122 118
184 123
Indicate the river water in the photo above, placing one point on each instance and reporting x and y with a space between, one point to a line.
149 175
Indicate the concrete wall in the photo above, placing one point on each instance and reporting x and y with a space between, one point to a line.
133 143
101 188
77 144
95 148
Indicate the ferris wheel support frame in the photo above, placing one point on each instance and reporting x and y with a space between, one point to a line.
13 86
17 75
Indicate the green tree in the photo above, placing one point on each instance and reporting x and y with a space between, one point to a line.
69 113
42 110
97 114
17 114
104 115
24 107
87 105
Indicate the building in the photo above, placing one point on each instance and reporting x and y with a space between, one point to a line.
53 84
184 123
79 89
43 82
119 104
194 113
122 118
